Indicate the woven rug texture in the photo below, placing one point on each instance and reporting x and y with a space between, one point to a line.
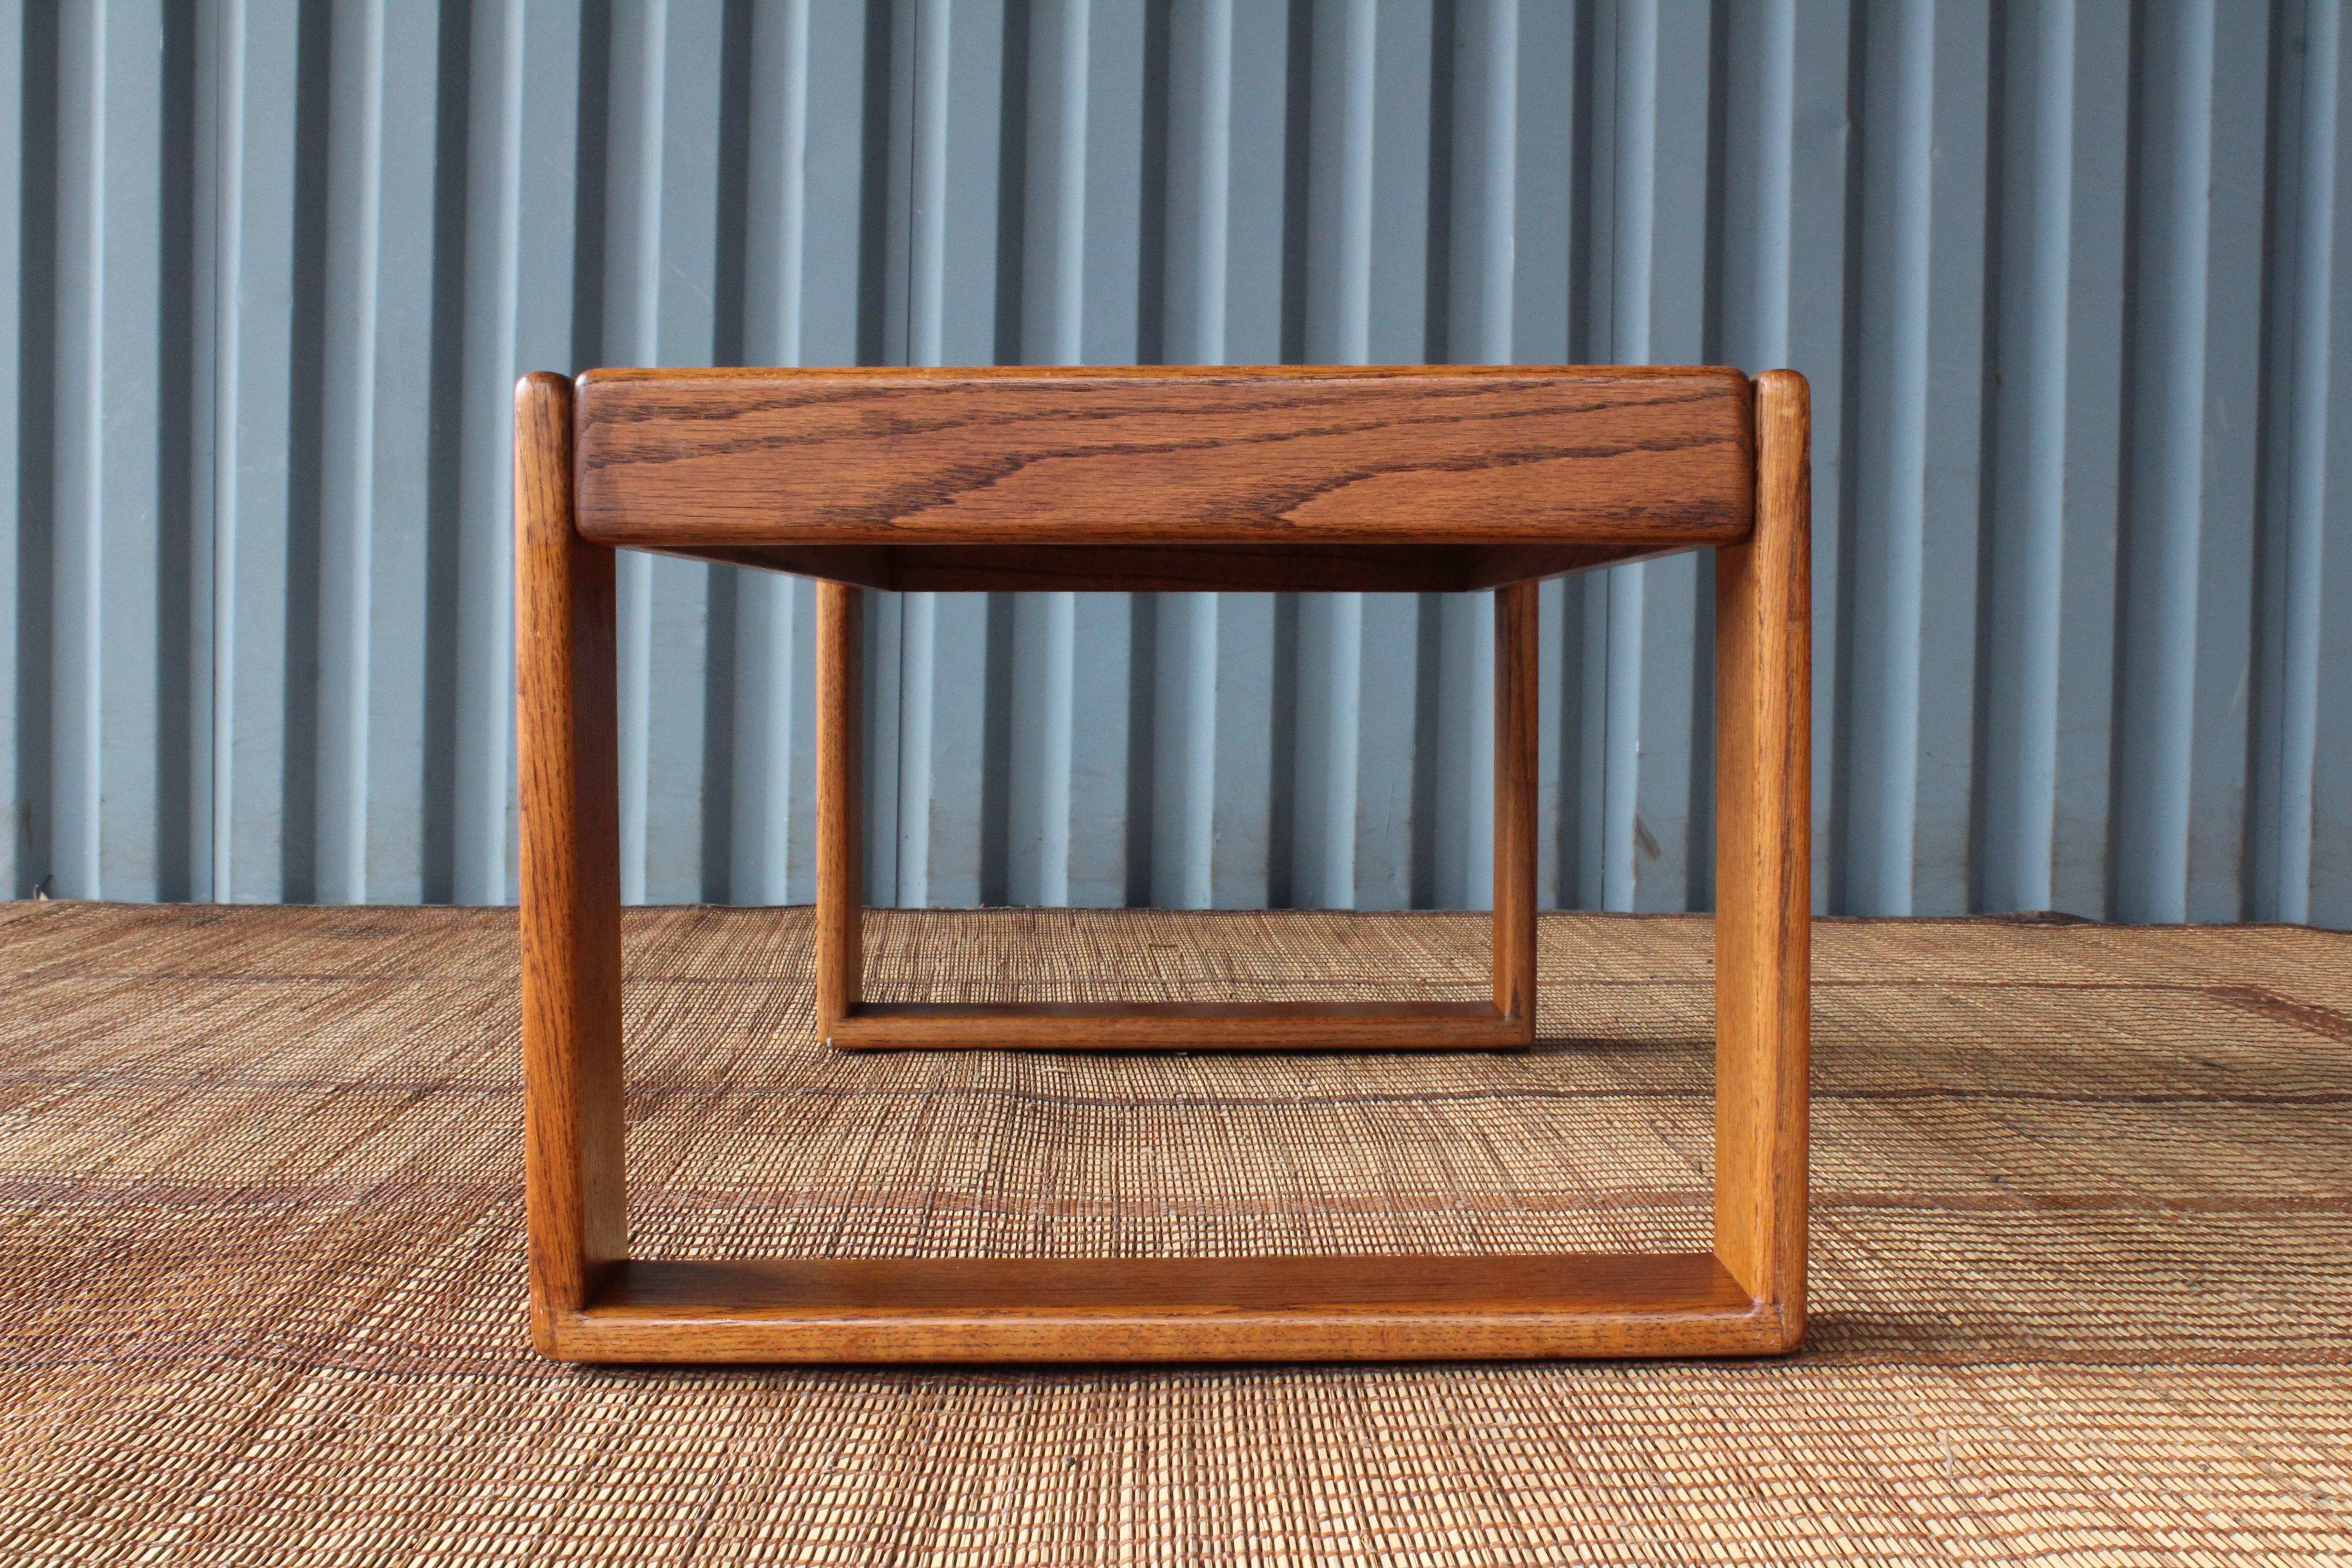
2082 1248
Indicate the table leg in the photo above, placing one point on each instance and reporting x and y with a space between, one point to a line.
567 754
1516 674
1763 866
840 800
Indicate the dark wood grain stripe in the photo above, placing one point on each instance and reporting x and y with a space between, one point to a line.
2309 1016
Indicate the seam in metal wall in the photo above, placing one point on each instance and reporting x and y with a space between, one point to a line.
2065 274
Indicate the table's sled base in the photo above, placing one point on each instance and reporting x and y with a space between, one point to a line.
1170 1309
1506 474
1178 1027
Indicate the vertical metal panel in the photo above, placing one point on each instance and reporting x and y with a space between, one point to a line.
1220 731
1360 671
254 394
2068 277
1923 287
2311 876
376 530
1656 839
1790 148
811 118
2188 558
1082 193
662 278
2057 514
18 858
521 212
964 79
123 653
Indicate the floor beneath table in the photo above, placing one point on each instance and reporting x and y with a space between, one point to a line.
2082 1248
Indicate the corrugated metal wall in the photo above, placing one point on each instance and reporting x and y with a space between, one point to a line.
2067 277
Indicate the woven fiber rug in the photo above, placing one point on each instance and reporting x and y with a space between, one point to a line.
2082 1249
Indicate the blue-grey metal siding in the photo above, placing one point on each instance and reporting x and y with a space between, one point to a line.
2068 276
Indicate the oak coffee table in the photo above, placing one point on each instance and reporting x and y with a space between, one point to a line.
1340 479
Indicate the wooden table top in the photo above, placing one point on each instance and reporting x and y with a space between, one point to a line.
1396 479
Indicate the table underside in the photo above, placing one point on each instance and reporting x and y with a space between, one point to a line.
1360 568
